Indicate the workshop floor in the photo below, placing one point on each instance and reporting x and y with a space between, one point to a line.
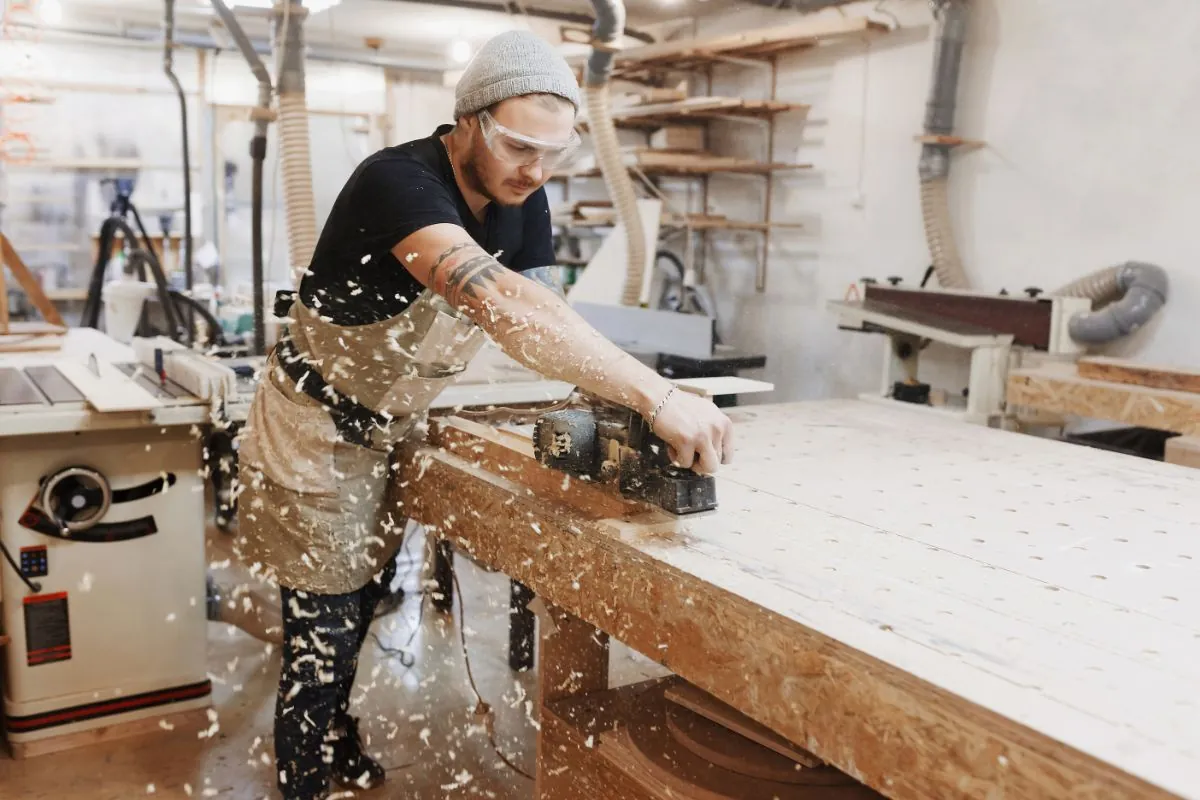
418 717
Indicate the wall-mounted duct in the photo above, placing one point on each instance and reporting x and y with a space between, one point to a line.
1124 297
935 158
294 150
610 20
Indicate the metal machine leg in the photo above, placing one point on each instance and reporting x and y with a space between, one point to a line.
443 575
521 628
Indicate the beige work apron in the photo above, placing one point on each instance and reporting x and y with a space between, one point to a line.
318 513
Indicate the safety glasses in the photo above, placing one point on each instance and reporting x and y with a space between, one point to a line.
521 150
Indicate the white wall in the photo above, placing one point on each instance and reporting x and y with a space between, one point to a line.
1089 113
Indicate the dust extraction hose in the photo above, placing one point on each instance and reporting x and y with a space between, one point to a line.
610 21
294 150
1125 298
935 158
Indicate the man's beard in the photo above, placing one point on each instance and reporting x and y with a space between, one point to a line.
474 178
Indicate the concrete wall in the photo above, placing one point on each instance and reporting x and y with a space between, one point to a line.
1089 116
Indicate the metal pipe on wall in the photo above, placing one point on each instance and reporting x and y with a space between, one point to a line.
258 154
169 68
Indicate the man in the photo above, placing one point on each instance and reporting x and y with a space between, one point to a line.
425 252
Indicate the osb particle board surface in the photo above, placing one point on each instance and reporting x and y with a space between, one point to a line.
1045 581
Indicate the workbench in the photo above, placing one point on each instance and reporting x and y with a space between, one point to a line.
939 610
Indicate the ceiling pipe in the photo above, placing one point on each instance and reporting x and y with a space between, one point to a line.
151 38
513 9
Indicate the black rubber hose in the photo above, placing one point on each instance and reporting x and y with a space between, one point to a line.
108 237
139 259
258 152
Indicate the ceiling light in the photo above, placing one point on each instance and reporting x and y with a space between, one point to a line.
317 6
50 11
460 51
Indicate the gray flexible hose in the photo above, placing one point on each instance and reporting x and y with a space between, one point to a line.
610 21
1125 297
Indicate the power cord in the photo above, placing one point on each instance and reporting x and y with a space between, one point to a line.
482 709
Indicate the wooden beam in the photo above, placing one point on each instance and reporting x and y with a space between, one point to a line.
1057 388
1118 370
28 283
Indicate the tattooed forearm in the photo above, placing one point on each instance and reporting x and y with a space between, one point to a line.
546 277
463 271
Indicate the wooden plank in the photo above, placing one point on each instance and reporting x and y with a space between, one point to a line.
1119 370
1057 388
707 706
758 41
979 614
28 283
112 390
723 385
30 336
1183 450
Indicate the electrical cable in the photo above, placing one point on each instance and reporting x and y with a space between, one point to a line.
481 706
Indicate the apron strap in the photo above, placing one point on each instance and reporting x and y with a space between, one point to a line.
354 421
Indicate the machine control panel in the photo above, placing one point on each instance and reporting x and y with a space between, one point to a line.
35 562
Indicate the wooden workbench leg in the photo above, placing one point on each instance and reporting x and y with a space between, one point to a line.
573 660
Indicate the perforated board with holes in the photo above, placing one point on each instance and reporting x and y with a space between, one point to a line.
1045 581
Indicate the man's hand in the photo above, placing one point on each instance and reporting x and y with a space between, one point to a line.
698 434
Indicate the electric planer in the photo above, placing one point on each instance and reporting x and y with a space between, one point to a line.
614 445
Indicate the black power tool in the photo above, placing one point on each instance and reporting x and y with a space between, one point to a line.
613 444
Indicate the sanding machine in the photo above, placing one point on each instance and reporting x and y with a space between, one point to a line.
998 330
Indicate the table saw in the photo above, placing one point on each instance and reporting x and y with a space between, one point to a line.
934 609
102 523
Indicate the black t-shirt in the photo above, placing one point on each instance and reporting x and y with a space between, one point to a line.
354 276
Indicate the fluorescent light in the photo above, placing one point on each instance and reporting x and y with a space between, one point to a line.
317 6
460 51
50 11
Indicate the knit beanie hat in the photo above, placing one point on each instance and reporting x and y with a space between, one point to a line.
511 64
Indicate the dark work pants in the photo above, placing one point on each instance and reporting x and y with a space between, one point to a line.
322 637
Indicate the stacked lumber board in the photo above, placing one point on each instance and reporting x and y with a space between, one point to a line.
1111 389
1165 398
667 162
592 216
759 43
697 109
